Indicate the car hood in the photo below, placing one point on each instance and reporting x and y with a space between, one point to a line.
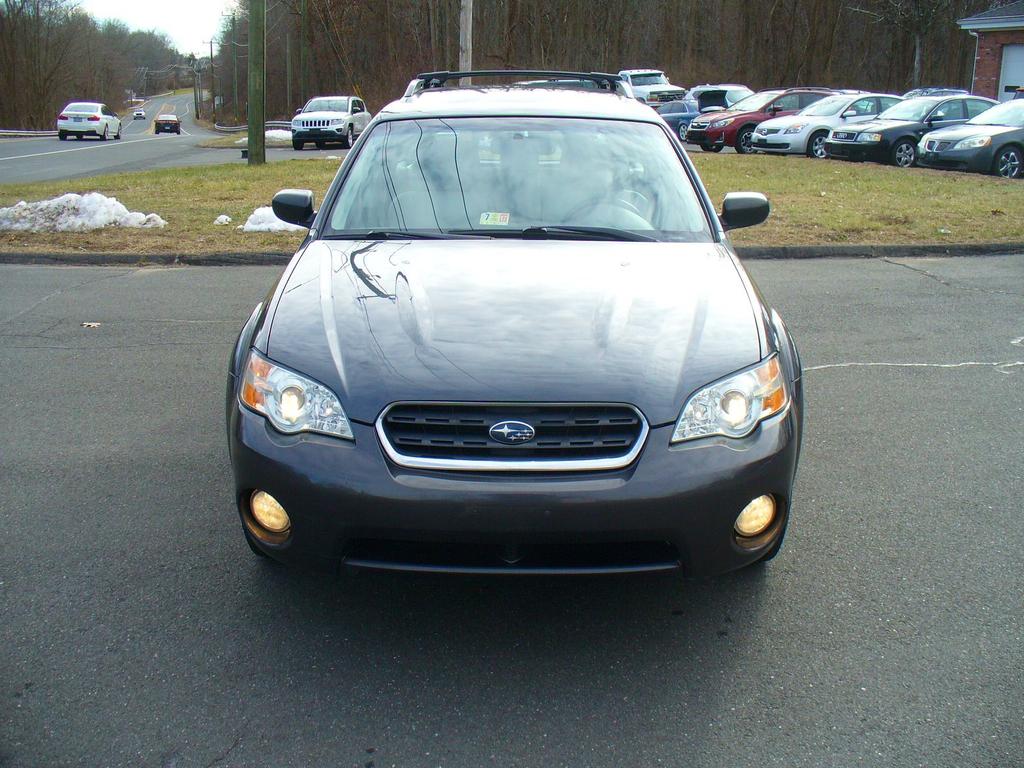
880 126
784 122
957 132
514 320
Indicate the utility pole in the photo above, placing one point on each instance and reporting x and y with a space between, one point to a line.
288 69
213 85
303 53
466 36
257 81
234 67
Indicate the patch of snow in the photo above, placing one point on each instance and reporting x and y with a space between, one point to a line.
222 219
274 134
75 213
264 220
332 157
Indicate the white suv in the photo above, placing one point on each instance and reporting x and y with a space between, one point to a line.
805 132
88 118
328 119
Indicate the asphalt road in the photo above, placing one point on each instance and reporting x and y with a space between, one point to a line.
49 159
138 630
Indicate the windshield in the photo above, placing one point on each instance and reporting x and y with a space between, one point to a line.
755 102
649 78
327 105
502 176
913 110
1009 113
826 107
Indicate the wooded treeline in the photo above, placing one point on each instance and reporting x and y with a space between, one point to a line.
52 53
373 47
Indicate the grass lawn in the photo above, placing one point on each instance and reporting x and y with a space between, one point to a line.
231 141
813 201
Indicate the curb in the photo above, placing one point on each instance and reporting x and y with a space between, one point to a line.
746 253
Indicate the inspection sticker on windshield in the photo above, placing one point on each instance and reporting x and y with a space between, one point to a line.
494 219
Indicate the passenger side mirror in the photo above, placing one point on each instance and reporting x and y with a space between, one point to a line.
294 206
298 111
774 109
849 113
744 209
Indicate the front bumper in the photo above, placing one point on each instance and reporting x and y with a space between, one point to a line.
706 137
674 507
330 133
780 143
846 150
974 160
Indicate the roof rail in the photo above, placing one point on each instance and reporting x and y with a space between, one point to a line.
428 80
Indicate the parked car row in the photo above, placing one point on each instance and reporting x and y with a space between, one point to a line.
934 127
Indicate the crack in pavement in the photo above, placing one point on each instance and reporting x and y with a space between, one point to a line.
60 291
1002 367
950 283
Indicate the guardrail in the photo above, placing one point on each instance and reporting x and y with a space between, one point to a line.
240 128
24 134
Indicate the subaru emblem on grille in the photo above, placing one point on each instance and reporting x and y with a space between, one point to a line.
512 432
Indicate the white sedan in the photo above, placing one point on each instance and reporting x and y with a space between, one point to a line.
88 118
806 131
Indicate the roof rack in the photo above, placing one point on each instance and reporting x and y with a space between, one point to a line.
427 80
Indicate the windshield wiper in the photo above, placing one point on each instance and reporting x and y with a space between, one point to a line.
401 234
566 232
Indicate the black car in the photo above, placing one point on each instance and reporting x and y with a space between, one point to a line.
516 339
992 142
167 123
893 136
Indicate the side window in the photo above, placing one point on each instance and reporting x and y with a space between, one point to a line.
787 102
806 99
864 107
976 106
889 101
948 110
357 106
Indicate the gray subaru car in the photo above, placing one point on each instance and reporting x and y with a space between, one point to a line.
516 340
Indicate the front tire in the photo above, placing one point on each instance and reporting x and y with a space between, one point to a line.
1009 163
904 153
298 145
349 139
744 141
816 145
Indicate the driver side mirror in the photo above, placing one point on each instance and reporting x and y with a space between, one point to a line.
744 209
298 111
294 206
849 113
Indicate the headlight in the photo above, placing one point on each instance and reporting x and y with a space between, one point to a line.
871 137
795 128
291 402
735 405
336 121
973 142
722 123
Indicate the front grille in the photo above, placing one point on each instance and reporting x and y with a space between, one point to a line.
458 436
315 123
843 135
938 146
668 96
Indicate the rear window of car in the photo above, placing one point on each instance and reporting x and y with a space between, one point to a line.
167 117
82 106
486 174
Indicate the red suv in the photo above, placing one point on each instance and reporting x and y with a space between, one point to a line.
734 127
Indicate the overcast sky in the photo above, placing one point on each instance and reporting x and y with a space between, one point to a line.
187 22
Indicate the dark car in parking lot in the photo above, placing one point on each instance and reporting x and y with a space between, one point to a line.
893 136
700 99
735 126
516 340
992 142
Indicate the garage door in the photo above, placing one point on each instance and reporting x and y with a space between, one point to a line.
1012 76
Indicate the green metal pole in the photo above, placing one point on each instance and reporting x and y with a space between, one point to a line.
257 81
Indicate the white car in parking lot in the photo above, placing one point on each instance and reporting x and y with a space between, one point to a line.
88 118
805 132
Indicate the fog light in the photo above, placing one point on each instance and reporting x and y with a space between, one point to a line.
269 513
756 516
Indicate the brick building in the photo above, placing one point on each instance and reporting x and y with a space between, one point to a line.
999 63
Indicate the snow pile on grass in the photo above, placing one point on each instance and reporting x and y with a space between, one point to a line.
264 220
274 134
222 219
74 213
